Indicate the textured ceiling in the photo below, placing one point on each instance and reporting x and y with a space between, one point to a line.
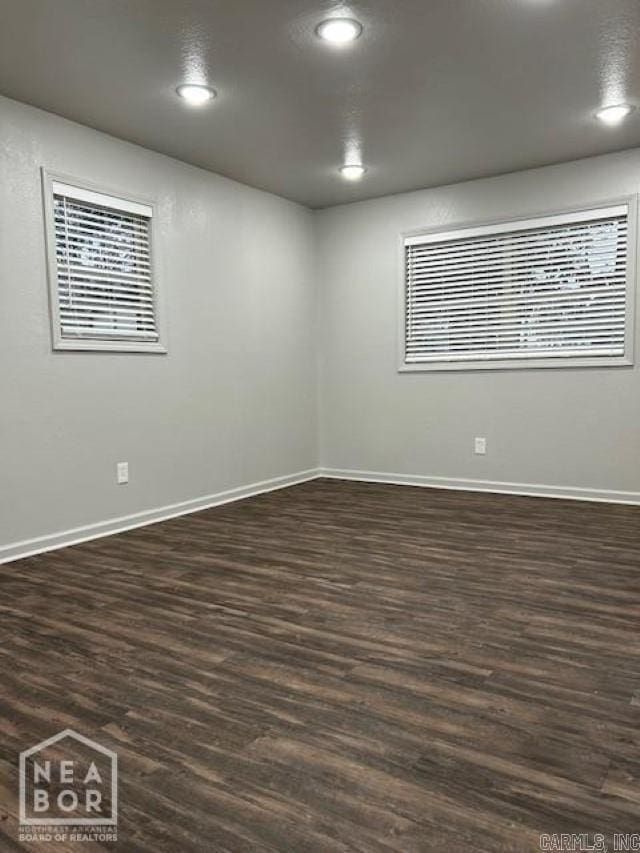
434 91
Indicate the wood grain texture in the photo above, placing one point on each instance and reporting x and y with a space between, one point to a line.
340 666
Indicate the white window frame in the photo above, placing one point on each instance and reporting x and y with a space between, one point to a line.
88 191
473 229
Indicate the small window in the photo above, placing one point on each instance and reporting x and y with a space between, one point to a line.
545 292
103 293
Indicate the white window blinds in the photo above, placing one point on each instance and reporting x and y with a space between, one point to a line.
105 288
548 288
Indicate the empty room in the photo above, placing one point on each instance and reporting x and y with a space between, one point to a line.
319 426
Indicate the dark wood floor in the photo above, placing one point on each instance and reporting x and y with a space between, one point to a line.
341 666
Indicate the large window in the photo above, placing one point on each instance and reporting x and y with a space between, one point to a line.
552 291
103 291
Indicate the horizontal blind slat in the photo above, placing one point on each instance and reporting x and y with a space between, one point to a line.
494 337
487 333
518 291
110 238
99 258
520 309
517 354
431 330
511 343
113 293
101 220
98 275
526 269
75 245
508 258
73 305
99 322
91 332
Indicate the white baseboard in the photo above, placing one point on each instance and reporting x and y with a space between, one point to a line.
526 489
30 547
40 544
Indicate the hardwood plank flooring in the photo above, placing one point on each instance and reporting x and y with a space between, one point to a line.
340 667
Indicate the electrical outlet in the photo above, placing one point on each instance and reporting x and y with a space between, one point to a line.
480 446
122 472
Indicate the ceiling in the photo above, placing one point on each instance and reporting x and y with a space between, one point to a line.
434 91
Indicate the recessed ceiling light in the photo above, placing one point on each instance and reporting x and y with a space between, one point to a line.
614 114
339 30
196 94
352 172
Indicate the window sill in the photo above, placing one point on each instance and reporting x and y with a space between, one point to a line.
515 364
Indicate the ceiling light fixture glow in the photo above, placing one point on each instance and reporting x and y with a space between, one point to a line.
352 172
339 30
196 94
615 114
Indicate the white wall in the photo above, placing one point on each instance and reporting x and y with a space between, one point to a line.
576 429
233 402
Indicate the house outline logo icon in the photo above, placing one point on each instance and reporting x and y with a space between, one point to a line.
69 821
